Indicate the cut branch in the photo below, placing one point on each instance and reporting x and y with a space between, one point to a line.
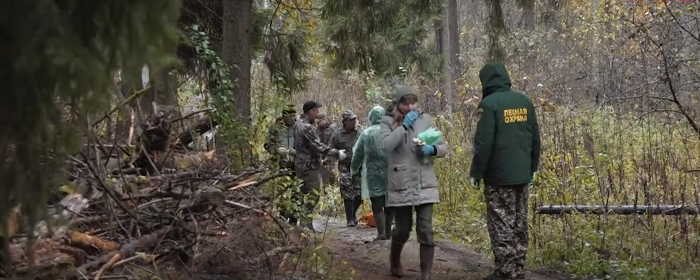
115 108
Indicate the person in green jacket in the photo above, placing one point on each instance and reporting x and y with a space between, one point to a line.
506 158
412 184
369 166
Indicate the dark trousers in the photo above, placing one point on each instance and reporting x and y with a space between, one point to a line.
506 218
404 223
378 207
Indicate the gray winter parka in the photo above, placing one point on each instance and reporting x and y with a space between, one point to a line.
410 181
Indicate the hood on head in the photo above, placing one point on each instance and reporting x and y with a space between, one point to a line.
494 78
375 115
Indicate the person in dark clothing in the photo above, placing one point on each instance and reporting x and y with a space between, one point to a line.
506 157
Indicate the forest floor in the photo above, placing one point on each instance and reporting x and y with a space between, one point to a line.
369 259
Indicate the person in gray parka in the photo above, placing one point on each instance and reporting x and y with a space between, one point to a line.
411 182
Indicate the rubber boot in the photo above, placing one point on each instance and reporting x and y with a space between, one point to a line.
426 261
348 204
307 223
380 220
357 202
395 259
292 221
388 220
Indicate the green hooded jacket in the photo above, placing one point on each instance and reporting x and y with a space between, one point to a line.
368 156
507 139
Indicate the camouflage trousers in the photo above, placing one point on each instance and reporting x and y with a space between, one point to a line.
348 189
327 177
506 218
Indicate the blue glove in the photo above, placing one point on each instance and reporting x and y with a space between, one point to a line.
410 118
427 150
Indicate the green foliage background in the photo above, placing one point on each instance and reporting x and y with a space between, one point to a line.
57 72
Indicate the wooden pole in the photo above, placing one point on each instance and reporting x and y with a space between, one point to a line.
618 209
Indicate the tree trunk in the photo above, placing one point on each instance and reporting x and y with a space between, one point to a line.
455 65
163 91
594 62
550 15
496 27
127 86
530 46
237 52
443 48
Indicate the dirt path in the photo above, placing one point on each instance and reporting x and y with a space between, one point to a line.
370 259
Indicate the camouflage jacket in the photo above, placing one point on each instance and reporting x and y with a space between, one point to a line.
324 133
308 146
345 140
280 135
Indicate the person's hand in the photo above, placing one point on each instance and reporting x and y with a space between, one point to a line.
341 155
356 179
427 150
282 151
410 118
333 175
292 152
474 183
532 178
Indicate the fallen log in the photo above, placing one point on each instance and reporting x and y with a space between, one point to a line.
85 240
185 161
205 200
201 127
618 209
127 250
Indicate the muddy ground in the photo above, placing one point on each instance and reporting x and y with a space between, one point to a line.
370 259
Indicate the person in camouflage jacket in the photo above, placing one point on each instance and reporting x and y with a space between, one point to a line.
280 139
325 130
344 139
280 144
307 162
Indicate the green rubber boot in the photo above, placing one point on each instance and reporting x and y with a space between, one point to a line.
395 259
348 205
380 220
388 219
426 261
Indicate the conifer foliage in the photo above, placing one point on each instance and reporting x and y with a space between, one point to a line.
381 36
58 60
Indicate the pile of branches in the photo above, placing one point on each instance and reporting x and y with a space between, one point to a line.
154 214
